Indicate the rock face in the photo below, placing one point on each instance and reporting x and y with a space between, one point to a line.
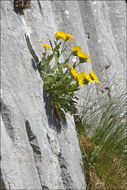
38 152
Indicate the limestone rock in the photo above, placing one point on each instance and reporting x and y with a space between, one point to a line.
38 152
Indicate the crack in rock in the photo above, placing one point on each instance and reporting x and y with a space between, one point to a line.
39 4
66 178
31 50
35 147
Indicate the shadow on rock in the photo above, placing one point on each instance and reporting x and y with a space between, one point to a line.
2 184
34 65
54 121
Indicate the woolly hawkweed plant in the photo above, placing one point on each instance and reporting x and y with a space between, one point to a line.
104 125
60 80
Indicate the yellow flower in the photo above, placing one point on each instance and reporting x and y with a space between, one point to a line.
87 78
46 46
64 35
75 49
68 37
93 76
81 54
74 72
80 79
84 78
60 35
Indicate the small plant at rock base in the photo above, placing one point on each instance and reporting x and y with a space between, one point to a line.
61 81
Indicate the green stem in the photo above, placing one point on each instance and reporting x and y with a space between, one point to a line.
77 64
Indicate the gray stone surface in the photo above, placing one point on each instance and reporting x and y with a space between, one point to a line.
105 30
36 151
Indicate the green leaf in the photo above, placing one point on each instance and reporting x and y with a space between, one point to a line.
50 57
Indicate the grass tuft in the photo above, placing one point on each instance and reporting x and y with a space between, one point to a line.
101 129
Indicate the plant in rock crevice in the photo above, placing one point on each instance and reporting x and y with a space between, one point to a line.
60 81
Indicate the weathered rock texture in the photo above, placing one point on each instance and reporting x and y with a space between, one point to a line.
37 152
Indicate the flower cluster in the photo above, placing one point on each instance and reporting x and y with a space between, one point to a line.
61 81
64 35
76 51
84 78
